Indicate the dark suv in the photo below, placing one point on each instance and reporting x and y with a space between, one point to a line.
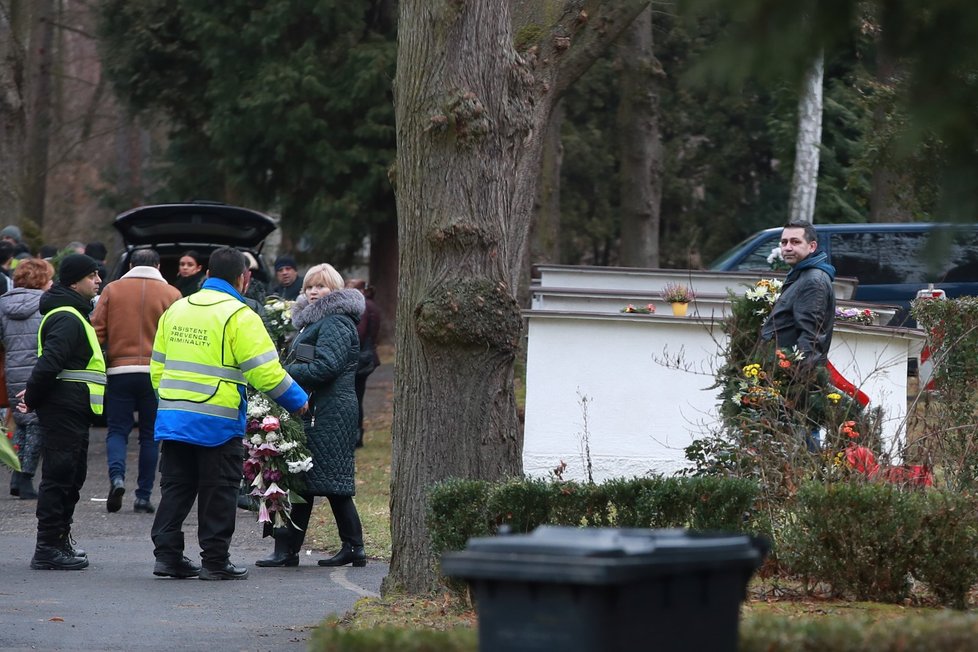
172 229
891 261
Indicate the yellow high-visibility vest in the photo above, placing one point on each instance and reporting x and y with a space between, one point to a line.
93 375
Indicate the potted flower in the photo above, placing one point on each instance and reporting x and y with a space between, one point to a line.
678 295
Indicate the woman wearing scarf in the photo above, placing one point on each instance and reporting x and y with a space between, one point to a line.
323 359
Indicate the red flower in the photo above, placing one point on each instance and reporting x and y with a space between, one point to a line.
862 459
784 364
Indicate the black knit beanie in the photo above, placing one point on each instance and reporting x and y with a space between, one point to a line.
74 268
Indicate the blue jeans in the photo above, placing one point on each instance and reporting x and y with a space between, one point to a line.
124 395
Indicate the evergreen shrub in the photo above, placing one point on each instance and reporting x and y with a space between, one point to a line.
859 537
947 560
460 509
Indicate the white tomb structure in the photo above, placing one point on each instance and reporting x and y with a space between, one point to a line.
635 388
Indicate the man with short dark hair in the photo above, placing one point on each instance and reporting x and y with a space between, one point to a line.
65 388
209 347
125 321
804 315
289 284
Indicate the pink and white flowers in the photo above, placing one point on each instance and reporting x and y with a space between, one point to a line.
277 456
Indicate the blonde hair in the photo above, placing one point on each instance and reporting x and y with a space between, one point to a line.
323 273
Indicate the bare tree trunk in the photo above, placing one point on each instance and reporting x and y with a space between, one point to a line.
14 37
804 183
545 230
39 117
383 274
473 94
640 145
545 225
885 201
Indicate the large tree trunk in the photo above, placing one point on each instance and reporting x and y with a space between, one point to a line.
640 145
14 37
39 120
804 183
473 93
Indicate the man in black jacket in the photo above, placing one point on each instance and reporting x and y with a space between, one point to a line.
804 315
65 388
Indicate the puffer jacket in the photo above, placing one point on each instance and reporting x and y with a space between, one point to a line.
332 423
19 321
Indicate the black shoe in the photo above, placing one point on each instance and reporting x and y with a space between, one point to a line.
281 557
69 547
56 559
181 569
25 487
114 503
227 572
15 483
143 506
347 555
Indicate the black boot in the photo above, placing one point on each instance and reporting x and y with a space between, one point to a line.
15 483
69 547
26 487
284 555
347 555
55 558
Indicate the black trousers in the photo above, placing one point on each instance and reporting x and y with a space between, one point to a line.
209 475
64 466
347 520
344 513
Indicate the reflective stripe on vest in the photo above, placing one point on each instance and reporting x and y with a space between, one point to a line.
93 375
194 378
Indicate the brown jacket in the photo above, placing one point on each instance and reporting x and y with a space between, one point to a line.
126 316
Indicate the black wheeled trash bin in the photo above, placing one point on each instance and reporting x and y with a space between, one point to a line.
607 590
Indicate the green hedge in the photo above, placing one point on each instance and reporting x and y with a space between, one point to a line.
946 632
460 509
930 632
869 539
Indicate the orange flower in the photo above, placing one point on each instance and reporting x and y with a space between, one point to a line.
784 364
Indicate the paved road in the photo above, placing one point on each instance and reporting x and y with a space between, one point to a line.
117 603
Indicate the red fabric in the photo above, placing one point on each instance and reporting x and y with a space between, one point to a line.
844 385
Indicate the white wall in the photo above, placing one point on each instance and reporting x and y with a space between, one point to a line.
647 379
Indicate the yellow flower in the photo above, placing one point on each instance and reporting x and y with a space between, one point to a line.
752 370
835 397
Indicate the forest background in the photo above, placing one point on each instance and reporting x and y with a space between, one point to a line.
288 108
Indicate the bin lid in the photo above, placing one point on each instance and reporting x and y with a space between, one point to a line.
612 542
560 553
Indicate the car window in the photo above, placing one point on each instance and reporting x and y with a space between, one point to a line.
957 259
757 258
882 258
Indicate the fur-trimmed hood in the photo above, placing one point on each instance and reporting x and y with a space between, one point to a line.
338 302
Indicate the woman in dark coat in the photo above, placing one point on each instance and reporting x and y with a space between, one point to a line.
324 356
190 272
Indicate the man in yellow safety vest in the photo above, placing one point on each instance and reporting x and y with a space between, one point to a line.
209 346
65 389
